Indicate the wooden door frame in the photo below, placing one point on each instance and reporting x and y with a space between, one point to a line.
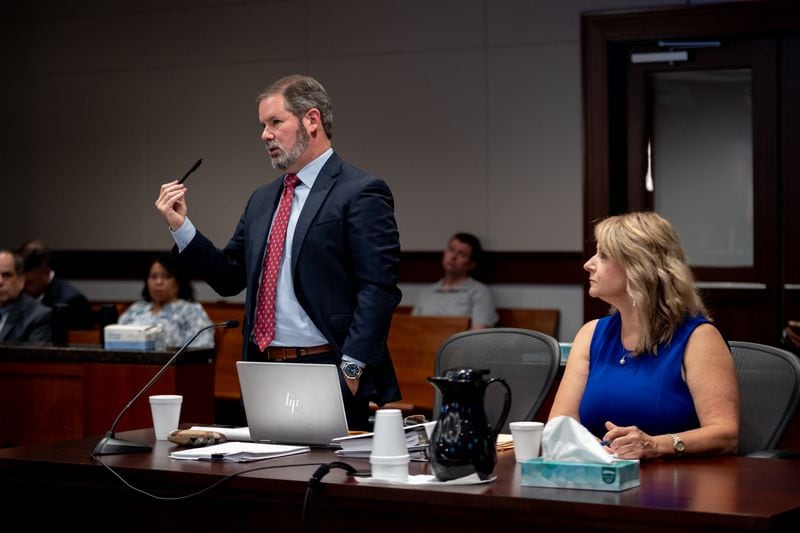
606 37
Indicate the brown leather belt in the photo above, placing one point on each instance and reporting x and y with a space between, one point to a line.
284 353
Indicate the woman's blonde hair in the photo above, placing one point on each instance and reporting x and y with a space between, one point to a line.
660 283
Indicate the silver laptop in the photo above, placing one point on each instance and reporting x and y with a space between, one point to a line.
292 403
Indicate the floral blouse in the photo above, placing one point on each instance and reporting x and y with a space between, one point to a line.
181 319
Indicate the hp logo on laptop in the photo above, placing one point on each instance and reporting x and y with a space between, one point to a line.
291 402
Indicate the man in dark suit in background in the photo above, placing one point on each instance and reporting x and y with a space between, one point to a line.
336 286
42 283
22 319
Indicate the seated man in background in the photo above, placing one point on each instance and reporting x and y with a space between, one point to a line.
457 293
22 318
42 283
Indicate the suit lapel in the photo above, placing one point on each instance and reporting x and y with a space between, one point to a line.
6 329
322 186
14 315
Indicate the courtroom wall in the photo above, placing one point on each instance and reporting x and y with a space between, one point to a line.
469 109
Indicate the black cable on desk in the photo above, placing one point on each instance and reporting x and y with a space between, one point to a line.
206 489
316 481
313 483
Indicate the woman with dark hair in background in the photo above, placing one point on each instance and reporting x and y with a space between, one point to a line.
169 301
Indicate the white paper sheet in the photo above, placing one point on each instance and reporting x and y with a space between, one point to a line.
238 452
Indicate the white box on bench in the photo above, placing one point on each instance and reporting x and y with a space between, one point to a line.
128 337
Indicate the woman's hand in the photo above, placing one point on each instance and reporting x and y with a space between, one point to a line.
630 442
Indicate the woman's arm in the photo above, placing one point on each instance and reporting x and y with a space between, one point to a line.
570 391
711 378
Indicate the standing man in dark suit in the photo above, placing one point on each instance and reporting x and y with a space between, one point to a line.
336 286
22 319
42 283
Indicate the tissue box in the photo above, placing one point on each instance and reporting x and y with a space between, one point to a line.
118 337
616 476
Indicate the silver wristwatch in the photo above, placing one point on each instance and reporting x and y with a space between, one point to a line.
350 370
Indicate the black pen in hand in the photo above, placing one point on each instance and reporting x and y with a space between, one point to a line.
188 172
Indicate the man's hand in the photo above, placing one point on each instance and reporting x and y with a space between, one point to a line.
352 384
171 203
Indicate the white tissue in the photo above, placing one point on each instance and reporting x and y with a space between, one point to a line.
427 479
565 439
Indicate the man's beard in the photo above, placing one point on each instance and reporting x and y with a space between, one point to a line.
288 158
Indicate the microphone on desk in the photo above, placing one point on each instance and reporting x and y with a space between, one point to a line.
109 444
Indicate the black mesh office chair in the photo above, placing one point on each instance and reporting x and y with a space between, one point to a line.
769 392
527 360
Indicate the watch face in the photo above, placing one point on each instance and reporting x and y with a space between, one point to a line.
351 370
680 446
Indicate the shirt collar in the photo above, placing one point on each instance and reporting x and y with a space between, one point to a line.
308 174
463 287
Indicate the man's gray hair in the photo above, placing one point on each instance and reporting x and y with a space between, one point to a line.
301 94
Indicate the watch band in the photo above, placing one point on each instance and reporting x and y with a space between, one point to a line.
677 445
348 368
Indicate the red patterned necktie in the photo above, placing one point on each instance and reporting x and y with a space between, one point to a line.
265 312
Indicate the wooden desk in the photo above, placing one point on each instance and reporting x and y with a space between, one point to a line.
54 485
56 393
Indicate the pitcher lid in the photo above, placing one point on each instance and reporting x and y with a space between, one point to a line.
465 374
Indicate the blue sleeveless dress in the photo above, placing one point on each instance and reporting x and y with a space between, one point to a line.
647 391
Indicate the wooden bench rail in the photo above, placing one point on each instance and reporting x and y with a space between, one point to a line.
413 343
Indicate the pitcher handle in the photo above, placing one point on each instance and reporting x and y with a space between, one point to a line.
506 406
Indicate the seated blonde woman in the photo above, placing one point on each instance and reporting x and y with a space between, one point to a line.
654 378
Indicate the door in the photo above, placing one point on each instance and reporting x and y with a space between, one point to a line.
701 151
707 136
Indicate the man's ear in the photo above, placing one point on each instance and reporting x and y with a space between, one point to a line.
313 121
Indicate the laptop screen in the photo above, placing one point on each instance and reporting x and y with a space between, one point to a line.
292 403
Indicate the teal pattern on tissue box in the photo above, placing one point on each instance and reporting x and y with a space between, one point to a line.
616 476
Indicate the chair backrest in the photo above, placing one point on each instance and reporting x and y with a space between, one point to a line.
769 391
527 360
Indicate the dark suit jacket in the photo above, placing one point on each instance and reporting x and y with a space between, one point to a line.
28 321
345 258
80 311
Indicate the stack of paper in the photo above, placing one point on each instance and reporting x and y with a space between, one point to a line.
504 442
238 452
417 440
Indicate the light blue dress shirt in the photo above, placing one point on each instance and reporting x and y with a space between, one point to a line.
293 326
